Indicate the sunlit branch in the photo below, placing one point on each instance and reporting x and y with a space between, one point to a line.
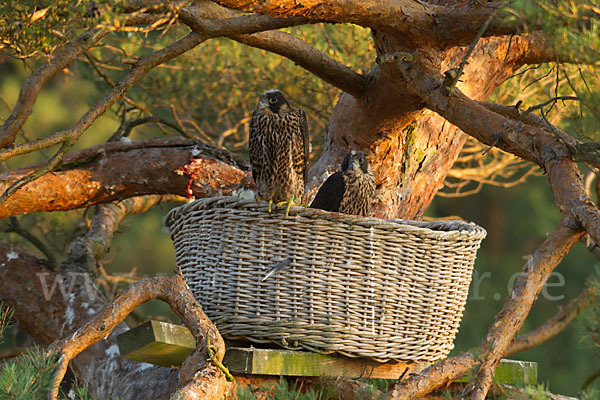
507 323
556 324
409 20
94 175
284 44
172 290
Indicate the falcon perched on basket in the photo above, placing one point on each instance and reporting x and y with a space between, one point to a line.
278 150
349 191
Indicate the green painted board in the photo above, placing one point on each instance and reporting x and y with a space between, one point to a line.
157 342
514 372
166 344
305 363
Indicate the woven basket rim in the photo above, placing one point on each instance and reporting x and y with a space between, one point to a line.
438 229
383 289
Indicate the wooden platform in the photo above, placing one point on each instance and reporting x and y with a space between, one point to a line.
166 344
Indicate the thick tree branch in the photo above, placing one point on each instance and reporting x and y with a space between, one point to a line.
211 20
95 175
32 86
412 21
172 290
529 142
571 198
506 325
524 293
284 44
85 251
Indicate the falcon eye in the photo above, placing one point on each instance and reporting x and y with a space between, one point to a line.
361 160
273 100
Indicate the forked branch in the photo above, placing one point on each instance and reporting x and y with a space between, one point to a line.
284 44
507 323
172 290
414 21
555 324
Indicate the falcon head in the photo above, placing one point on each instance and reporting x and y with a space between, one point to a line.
355 162
272 101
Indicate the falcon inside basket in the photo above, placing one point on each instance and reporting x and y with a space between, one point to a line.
366 287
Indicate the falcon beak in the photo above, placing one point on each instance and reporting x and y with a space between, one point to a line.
263 103
354 165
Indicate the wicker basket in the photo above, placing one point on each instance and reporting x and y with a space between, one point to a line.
384 289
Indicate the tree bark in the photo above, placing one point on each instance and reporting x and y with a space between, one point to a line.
411 149
122 170
47 314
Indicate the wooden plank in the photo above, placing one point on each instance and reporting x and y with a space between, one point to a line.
157 342
305 363
166 344
514 372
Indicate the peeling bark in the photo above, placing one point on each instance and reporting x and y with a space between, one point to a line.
115 172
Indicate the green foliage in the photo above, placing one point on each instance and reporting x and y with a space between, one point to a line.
285 391
281 391
573 28
590 394
5 318
592 320
27 376
573 25
81 393
30 28
537 392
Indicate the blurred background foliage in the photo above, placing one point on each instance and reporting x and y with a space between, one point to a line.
210 92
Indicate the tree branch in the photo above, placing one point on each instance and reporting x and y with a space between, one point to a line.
42 170
85 251
14 226
142 66
529 142
524 293
172 290
284 44
71 296
309 58
413 22
95 175
507 322
32 86
209 29
555 324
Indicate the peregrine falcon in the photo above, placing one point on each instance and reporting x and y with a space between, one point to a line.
349 191
278 150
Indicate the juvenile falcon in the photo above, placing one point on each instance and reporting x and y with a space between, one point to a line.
349 191
278 150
